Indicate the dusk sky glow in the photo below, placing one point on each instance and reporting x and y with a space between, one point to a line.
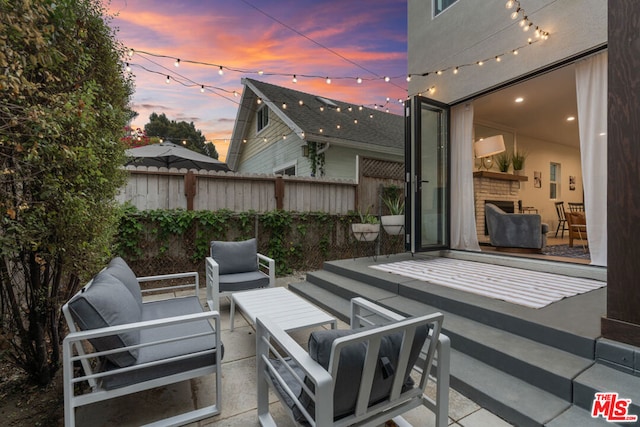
361 38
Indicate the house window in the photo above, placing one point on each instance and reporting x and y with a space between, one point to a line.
554 180
287 169
440 5
263 118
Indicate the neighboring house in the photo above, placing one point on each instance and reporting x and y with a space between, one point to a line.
284 131
597 43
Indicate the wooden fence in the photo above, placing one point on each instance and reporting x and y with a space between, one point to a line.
161 188
374 174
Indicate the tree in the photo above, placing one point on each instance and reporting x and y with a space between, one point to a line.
63 106
182 133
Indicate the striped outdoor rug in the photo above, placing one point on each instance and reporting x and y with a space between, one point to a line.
524 287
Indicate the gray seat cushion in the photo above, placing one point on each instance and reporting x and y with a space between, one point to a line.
243 281
106 301
350 367
235 257
163 309
118 268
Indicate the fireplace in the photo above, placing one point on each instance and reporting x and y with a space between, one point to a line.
505 205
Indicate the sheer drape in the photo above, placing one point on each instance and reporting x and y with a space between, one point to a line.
463 219
591 88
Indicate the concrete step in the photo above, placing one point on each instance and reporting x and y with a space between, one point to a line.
546 367
517 401
602 378
480 309
328 301
576 416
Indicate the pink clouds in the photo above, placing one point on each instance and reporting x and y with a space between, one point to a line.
369 33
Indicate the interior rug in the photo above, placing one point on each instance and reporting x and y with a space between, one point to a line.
524 287
577 251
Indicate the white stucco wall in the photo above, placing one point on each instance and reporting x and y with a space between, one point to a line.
473 30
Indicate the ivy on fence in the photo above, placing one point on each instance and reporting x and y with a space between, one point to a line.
164 241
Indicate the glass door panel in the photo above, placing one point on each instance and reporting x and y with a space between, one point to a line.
428 174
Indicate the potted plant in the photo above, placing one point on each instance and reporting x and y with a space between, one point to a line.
367 229
394 201
517 159
503 160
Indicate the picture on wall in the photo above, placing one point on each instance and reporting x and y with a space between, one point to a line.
537 179
572 183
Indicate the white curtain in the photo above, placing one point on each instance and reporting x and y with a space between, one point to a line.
591 88
463 218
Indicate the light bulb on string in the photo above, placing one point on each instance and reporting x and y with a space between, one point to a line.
301 102
480 63
371 116
235 93
355 121
360 108
515 51
260 72
128 67
387 79
439 72
177 63
202 88
221 71
321 108
294 80
527 27
455 70
328 80
523 21
259 100
130 53
409 77
168 79
359 80
284 105
509 4
515 13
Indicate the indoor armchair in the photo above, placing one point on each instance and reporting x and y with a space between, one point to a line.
515 231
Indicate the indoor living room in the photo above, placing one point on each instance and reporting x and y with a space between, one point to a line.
537 120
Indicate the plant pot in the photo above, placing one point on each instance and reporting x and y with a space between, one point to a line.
365 232
518 172
392 224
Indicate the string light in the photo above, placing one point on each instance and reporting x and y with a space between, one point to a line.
202 89
221 71
359 80
177 63
328 80
387 79
455 70
168 79
128 67
294 80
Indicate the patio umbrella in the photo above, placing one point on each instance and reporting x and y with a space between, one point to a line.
169 155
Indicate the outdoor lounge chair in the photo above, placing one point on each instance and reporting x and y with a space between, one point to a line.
358 376
125 345
235 267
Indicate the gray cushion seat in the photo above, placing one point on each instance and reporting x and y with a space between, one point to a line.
114 298
349 374
238 263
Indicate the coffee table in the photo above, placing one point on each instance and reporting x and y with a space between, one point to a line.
288 310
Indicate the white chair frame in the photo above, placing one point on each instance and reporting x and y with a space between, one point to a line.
273 340
76 348
212 269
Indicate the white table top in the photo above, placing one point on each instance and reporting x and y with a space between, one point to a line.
288 310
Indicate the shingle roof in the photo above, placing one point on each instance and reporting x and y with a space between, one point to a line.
372 127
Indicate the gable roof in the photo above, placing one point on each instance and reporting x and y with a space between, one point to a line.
359 126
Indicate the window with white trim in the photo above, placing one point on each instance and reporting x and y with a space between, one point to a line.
554 181
440 6
288 169
262 118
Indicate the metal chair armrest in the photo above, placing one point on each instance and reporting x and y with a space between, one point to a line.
270 264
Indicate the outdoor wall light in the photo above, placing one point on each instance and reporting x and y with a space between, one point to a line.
487 147
305 151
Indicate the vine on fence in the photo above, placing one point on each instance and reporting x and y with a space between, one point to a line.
162 241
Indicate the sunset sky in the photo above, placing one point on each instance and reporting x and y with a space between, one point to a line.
330 38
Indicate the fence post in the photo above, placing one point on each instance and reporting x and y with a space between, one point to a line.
190 189
279 192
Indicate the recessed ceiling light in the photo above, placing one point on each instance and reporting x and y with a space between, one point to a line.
603 134
519 99
570 118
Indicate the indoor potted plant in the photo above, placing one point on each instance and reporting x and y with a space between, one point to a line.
517 159
394 201
367 229
503 160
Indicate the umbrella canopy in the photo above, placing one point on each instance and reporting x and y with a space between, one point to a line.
170 155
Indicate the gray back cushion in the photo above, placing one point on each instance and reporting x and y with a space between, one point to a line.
119 269
235 257
349 375
106 301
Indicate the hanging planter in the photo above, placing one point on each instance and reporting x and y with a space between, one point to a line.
392 224
365 232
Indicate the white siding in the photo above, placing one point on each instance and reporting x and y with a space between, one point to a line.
474 30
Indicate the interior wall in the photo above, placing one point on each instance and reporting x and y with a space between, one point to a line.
540 155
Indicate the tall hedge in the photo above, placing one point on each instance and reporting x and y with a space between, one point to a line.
63 105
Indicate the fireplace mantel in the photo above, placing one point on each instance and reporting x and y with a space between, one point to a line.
500 175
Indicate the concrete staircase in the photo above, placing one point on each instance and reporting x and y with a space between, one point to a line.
528 366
